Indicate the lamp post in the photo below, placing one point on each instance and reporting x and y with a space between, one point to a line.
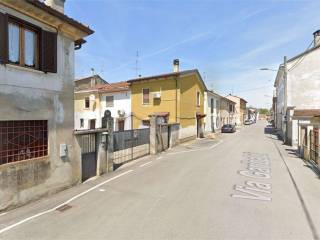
268 69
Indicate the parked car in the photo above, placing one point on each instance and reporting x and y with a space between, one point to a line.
228 128
248 122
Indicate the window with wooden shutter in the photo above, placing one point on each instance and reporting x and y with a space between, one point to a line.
3 38
145 96
48 51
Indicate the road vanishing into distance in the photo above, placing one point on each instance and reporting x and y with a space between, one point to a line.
235 187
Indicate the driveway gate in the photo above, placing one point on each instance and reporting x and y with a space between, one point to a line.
88 155
129 145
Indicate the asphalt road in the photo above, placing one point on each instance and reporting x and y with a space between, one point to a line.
236 188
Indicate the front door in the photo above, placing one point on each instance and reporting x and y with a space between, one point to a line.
92 123
121 125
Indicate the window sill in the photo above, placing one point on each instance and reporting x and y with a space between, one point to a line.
24 68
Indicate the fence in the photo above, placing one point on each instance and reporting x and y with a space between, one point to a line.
129 145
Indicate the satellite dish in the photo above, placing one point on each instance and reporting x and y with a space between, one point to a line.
121 113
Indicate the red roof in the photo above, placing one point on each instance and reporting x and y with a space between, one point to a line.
108 87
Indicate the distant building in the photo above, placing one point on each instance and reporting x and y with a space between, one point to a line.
88 82
241 109
297 87
212 111
39 154
227 111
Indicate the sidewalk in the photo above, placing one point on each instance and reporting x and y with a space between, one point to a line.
307 184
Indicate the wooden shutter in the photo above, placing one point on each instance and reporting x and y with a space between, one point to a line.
3 38
48 51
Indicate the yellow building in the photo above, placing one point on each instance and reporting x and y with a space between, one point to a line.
176 97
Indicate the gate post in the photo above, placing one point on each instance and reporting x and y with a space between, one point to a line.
108 123
153 135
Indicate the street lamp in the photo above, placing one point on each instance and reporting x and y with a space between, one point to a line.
268 69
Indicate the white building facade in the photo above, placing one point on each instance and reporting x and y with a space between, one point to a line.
91 104
297 87
212 111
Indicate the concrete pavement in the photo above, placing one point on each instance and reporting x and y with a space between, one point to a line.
246 187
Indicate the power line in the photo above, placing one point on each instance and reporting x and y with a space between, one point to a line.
301 57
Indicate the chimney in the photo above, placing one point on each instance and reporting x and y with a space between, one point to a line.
176 65
316 36
56 4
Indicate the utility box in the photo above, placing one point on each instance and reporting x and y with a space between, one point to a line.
63 150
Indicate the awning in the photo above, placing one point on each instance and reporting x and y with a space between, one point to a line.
160 114
200 115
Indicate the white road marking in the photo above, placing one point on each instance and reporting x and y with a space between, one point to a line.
145 164
102 190
173 153
215 145
159 158
198 149
2 214
66 202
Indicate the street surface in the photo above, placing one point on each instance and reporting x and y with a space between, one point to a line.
241 186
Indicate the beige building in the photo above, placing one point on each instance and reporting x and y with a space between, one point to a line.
240 109
38 152
227 111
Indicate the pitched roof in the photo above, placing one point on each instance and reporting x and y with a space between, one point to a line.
88 78
165 75
306 112
61 16
237 97
107 88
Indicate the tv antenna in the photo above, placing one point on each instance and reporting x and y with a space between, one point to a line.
137 64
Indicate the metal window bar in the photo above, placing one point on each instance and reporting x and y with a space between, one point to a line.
22 140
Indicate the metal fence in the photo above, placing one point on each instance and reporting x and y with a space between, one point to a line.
130 144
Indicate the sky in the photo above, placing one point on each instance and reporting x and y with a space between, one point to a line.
227 41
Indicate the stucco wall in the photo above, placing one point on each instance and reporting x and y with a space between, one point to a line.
215 116
122 101
34 95
304 82
86 114
167 102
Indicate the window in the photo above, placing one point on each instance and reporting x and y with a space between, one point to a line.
212 105
198 99
22 140
146 96
23 42
81 122
146 123
109 101
87 102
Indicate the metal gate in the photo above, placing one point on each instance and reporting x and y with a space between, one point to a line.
88 155
129 145
314 144
163 137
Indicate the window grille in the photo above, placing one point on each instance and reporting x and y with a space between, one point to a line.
22 140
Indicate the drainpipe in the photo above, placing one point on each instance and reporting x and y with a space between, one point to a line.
176 99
